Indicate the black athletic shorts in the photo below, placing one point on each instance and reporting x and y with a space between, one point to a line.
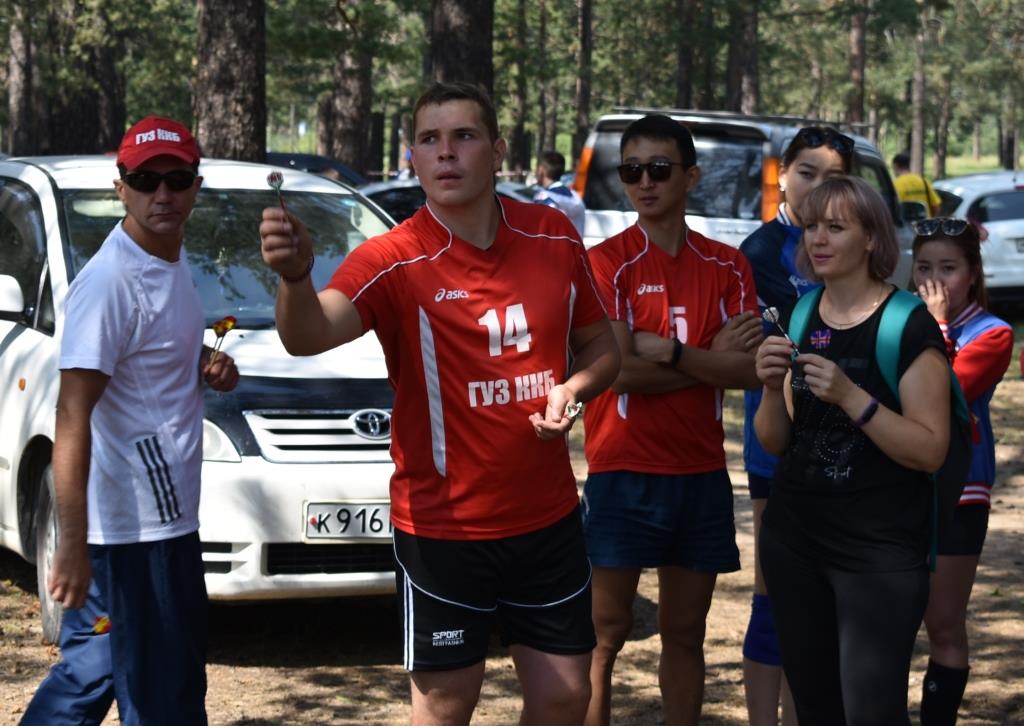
536 585
965 535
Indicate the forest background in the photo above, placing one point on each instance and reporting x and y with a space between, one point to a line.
938 78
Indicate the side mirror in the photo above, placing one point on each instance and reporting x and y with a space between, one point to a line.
12 301
913 211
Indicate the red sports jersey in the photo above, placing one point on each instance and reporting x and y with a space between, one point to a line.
474 339
690 297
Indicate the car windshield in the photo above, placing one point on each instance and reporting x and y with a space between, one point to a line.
730 183
222 243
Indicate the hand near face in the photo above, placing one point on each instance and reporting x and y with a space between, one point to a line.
936 297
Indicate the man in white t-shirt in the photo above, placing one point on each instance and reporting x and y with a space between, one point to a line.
127 457
554 193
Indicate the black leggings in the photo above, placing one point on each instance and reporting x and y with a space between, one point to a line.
846 637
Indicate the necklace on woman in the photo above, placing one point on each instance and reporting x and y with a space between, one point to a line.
857 319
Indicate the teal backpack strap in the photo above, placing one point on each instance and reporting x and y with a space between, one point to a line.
802 314
887 349
887 354
890 333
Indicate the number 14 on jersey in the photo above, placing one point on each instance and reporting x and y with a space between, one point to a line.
516 330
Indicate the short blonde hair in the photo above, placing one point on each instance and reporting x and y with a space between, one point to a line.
861 202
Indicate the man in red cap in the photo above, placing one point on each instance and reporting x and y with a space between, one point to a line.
127 457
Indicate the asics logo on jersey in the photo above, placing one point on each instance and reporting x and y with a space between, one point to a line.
644 289
443 294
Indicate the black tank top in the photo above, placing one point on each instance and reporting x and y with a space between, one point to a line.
835 491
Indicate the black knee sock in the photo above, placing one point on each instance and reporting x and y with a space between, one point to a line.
941 694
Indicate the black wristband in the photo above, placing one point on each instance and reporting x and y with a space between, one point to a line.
869 411
677 352
305 273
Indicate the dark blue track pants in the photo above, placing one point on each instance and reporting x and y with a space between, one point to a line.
152 656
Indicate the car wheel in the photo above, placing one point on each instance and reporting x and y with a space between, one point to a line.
51 611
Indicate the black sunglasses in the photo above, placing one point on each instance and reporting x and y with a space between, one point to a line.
949 226
148 182
657 171
814 136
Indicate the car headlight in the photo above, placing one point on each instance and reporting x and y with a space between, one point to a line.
216 444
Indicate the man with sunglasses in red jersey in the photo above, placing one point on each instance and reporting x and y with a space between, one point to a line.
494 334
658 494
127 457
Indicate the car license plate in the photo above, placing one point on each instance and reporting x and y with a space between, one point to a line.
348 520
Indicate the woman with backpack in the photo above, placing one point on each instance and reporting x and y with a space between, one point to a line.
845 535
948 276
815 154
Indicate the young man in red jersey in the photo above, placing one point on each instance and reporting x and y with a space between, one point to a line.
493 332
658 494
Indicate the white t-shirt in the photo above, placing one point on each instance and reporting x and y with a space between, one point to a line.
138 319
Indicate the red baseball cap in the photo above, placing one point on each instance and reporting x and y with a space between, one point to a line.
156 136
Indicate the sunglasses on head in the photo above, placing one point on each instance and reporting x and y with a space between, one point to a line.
814 136
949 226
149 181
657 171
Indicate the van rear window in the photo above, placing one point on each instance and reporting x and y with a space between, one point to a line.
730 184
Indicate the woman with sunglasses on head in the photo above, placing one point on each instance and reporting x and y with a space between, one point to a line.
845 534
949 278
815 154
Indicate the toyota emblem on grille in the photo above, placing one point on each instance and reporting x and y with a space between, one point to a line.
372 423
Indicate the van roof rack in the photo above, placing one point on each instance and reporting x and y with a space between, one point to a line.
860 127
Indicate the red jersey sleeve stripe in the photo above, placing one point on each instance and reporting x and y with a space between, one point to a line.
734 269
619 294
400 263
568 238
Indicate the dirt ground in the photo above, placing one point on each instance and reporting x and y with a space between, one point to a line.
339 661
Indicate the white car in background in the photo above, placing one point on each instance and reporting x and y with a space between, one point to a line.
296 462
995 202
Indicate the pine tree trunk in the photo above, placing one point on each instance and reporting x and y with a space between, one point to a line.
917 100
942 128
230 103
857 58
750 82
22 131
734 59
461 41
351 106
685 12
519 151
583 75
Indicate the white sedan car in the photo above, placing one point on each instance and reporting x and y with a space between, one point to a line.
995 202
296 459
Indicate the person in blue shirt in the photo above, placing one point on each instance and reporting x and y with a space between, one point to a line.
554 193
814 154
